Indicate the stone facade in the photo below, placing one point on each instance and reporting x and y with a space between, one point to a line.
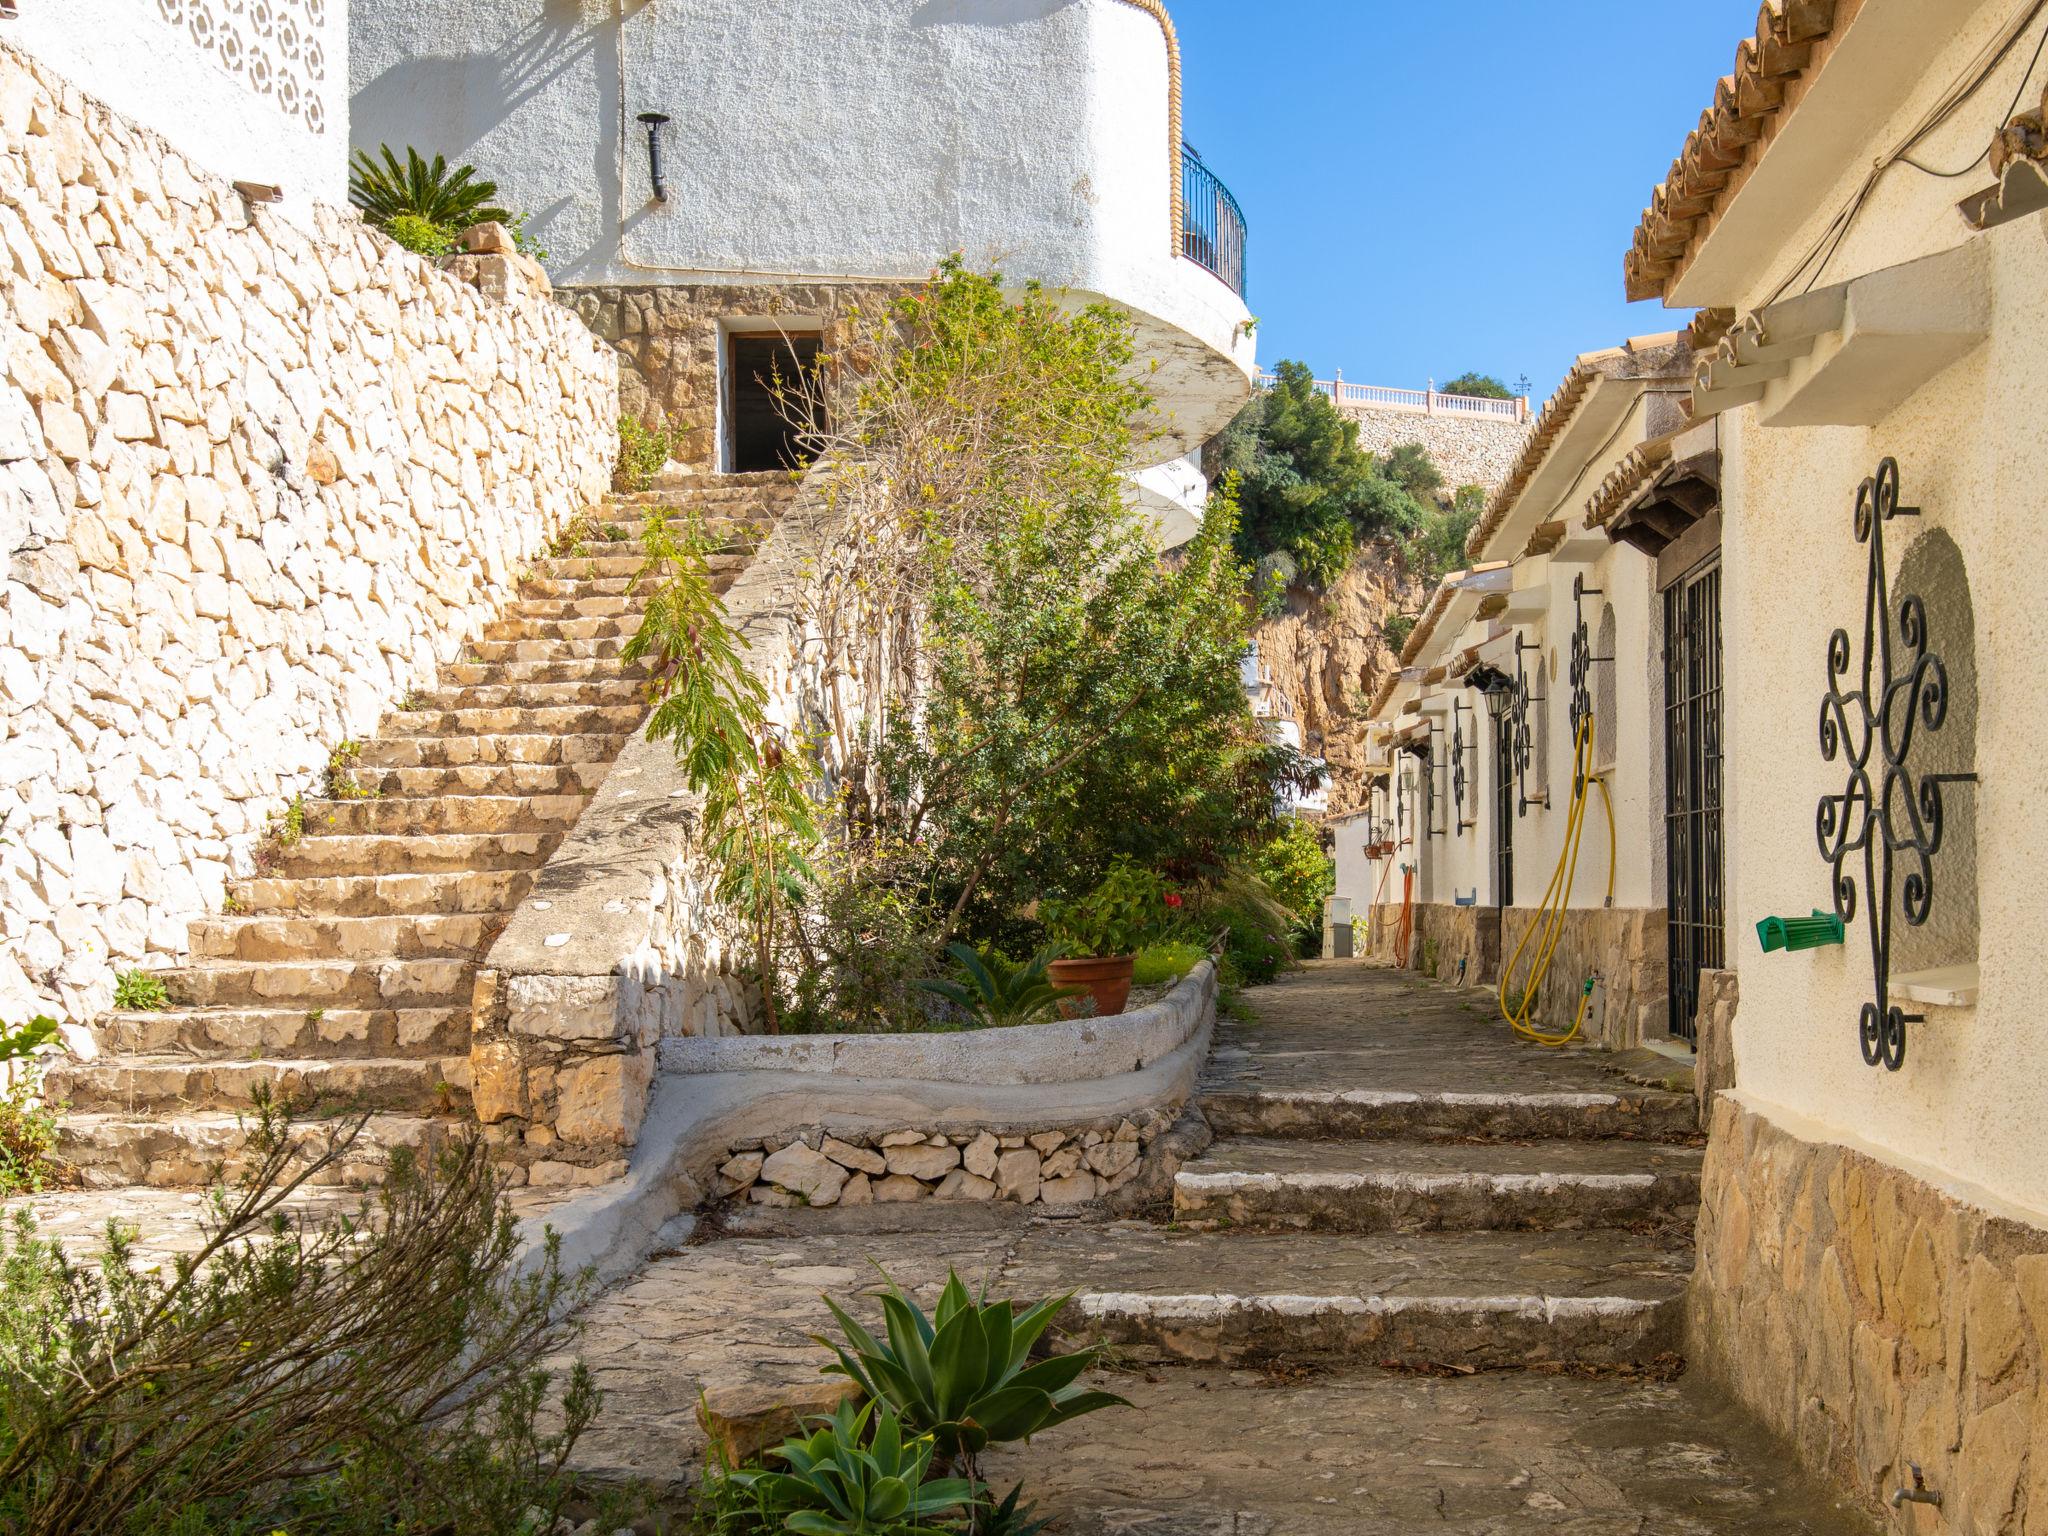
1456 944
257 478
1053 1167
1877 1320
669 338
1469 450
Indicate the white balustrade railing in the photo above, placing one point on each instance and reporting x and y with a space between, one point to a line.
1422 402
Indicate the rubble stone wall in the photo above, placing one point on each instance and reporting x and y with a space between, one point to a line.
1623 946
1468 450
1876 1318
1446 935
258 478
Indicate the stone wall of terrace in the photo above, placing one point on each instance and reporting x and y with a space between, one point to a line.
258 477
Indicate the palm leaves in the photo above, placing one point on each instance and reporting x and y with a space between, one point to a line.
1000 992
960 1375
453 200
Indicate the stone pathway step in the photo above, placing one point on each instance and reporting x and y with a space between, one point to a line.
490 674
585 607
405 815
249 1033
581 719
485 779
408 936
450 891
559 632
1372 1186
1448 1115
395 855
142 1084
322 983
548 646
595 747
538 694
109 1150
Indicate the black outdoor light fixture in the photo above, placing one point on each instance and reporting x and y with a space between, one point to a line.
654 120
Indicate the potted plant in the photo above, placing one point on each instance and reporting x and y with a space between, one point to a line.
1101 931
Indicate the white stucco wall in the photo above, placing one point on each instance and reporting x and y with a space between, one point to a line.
1973 457
824 139
252 90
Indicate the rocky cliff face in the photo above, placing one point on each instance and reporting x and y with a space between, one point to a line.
1328 651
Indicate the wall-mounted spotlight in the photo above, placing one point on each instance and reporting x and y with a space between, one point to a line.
654 120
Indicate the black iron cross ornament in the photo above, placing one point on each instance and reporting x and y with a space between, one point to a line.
1458 778
1886 812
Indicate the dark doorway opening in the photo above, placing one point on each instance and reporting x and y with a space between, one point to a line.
1504 812
1692 789
770 420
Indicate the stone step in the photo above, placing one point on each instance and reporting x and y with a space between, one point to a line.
1466 1301
557 631
157 1084
538 694
183 1151
588 566
451 891
556 649
567 720
416 936
449 852
592 747
1363 1113
631 606
572 586
568 669
444 813
486 779
427 983
1374 1186
251 1033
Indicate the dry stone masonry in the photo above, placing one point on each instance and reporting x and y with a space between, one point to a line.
259 477
1469 450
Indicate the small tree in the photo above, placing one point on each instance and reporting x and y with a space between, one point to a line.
1483 385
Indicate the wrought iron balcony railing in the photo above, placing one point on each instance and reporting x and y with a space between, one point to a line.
1212 225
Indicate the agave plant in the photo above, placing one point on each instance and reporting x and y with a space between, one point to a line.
960 1375
452 200
842 1481
999 992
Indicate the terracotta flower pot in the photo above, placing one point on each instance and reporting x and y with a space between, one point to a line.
1107 978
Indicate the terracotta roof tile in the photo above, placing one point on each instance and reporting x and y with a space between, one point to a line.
1771 69
1626 478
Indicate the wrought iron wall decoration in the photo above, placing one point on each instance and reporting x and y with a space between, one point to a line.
1886 812
1459 747
1521 735
1582 655
1430 764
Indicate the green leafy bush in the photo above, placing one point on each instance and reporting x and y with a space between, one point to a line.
1395 628
450 200
997 992
374 1375
1296 868
1157 964
28 1125
844 1480
643 450
1484 385
1125 909
960 1375
867 936
423 237
140 992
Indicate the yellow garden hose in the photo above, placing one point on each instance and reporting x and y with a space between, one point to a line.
1556 899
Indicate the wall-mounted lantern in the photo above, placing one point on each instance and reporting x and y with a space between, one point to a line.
653 122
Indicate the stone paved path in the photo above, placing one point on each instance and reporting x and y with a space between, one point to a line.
1286 1382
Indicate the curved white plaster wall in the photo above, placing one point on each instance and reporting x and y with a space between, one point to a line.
826 139
253 90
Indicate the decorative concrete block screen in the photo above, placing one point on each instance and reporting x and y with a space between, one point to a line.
258 478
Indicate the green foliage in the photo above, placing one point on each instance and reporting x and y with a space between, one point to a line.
995 992
643 450
845 1481
421 236
1409 466
1296 868
1011 1517
1159 963
1395 628
1436 545
868 935
373 1375
430 192
342 783
1429 956
1256 927
1308 489
28 1126
292 825
960 1375
757 821
140 992
1484 385
1126 908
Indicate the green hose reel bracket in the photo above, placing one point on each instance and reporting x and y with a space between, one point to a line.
1790 933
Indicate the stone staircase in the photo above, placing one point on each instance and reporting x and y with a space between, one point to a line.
345 966
1441 1198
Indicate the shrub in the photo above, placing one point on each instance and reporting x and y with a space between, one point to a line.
1485 385
996 992
421 236
960 1375
1156 964
140 992
1395 628
845 1480
430 192
28 1126
1294 866
643 450
1124 910
866 939
375 1375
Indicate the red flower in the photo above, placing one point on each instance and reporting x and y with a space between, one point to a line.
1172 900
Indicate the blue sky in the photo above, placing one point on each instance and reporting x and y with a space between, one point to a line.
1445 186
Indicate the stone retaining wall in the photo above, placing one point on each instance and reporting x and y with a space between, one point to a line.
1876 1318
258 479
1446 935
1624 946
1468 450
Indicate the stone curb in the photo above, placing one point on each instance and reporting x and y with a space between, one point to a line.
1362 1114
1373 1202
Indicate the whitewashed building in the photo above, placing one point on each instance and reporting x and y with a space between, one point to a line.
717 181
